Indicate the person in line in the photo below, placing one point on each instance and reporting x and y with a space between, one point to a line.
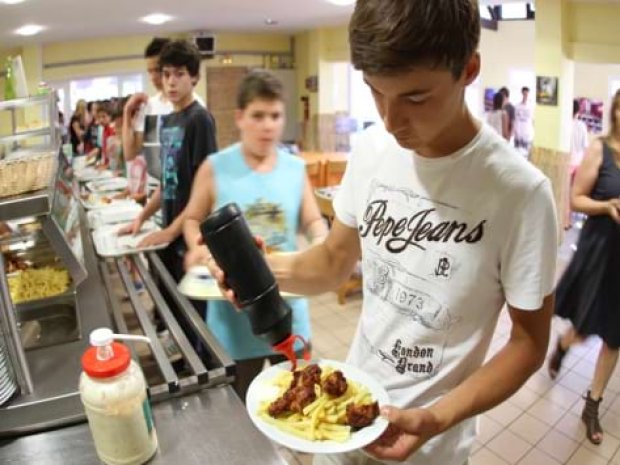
187 137
450 223
524 127
143 114
140 106
92 127
578 144
588 294
77 127
498 118
273 190
510 111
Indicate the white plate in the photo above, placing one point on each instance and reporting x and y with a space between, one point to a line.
109 244
113 214
92 174
107 185
261 389
198 284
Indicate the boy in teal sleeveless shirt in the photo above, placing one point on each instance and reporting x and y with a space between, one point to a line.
275 194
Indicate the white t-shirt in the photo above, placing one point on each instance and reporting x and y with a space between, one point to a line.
524 130
156 105
578 142
445 242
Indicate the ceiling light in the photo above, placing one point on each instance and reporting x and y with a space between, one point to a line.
271 22
29 30
156 19
11 2
342 2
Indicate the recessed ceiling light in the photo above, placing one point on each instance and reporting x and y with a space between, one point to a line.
11 2
341 2
29 30
271 22
156 19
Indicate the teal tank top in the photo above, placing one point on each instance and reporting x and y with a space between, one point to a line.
271 203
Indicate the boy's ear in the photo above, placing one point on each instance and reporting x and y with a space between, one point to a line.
238 116
472 69
195 80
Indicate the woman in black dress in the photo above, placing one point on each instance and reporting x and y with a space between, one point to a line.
589 292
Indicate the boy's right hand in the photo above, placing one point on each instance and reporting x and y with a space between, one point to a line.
133 104
131 228
196 256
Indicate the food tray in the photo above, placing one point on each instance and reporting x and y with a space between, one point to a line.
109 244
92 174
97 200
107 185
114 214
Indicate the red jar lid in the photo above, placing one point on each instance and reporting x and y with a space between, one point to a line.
106 368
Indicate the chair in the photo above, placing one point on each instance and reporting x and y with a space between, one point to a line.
314 169
354 283
334 170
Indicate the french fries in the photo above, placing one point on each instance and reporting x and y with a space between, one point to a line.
324 418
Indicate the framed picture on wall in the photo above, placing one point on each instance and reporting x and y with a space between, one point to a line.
547 90
489 93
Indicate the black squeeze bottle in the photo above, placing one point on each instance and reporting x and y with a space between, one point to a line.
228 237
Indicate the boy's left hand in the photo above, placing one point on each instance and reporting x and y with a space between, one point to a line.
408 430
157 238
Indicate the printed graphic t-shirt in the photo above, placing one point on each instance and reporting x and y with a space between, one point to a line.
445 243
186 137
148 121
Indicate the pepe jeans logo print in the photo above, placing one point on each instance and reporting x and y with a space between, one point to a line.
416 230
412 248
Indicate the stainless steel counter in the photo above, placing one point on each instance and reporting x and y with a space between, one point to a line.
208 427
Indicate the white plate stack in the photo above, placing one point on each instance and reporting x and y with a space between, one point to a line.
8 386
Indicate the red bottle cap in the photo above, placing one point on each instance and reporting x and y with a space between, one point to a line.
287 348
106 368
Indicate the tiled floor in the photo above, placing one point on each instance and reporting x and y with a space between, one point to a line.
539 425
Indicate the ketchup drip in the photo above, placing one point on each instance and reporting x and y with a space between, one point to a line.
286 348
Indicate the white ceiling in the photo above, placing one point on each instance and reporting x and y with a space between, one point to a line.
76 19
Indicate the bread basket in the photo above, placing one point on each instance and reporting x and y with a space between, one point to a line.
26 173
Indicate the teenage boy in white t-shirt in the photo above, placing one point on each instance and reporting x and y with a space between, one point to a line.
451 224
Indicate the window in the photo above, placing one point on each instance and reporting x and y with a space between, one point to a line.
614 86
97 88
485 13
362 103
473 99
514 11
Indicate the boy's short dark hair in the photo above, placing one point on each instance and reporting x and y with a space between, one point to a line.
259 85
117 113
505 91
104 107
179 53
155 46
393 36
525 89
